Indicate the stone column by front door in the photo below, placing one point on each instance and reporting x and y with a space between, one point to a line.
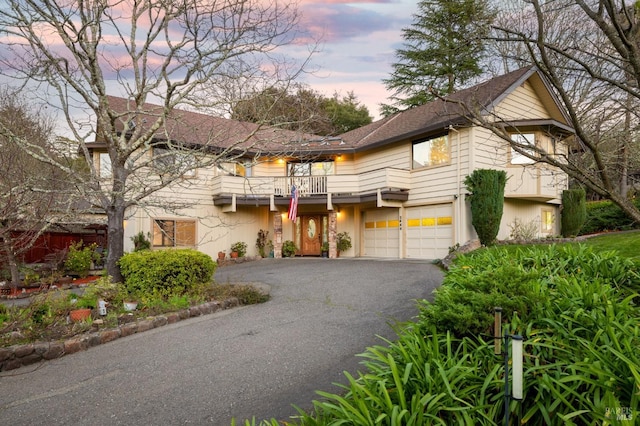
277 235
333 231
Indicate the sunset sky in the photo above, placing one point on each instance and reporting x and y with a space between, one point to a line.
360 39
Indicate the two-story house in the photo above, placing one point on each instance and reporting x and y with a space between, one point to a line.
396 185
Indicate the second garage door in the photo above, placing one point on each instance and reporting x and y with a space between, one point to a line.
382 233
429 231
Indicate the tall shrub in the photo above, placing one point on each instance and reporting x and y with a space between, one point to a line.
487 202
574 211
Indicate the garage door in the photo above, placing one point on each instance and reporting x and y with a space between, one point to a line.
429 231
382 233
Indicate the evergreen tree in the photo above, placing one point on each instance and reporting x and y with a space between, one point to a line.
487 202
574 211
443 50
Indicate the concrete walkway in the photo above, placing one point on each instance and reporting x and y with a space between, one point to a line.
251 361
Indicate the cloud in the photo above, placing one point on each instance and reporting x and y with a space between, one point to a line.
335 21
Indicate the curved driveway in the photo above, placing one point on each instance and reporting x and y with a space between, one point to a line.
250 361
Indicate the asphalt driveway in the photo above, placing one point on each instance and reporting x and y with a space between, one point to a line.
250 361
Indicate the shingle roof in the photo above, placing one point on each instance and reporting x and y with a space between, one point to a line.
438 114
192 127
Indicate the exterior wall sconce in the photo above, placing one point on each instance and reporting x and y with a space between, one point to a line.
517 357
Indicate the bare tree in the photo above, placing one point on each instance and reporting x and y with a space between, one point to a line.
589 52
29 188
154 51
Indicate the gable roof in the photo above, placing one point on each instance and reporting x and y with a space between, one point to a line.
441 113
194 128
201 129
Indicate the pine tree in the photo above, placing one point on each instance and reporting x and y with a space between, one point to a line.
443 49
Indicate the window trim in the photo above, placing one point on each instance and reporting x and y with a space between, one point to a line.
543 224
431 164
174 238
522 159
102 172
188 174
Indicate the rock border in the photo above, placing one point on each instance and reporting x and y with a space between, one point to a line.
17 356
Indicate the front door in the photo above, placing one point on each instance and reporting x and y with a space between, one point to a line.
311 235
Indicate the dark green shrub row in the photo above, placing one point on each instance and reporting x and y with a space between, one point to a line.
606 216
581 339
165 272
518 281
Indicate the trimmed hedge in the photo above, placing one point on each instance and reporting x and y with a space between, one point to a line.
487 202
165 272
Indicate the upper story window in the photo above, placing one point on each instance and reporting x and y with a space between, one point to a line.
524 139
431 152
174 233
243 169
173 161
316 168
104 165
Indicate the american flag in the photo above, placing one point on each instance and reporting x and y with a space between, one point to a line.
293 204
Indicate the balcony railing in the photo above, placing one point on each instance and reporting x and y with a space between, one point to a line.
313 185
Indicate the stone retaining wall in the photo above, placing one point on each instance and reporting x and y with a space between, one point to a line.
18 356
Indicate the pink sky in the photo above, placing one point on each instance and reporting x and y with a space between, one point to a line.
360 40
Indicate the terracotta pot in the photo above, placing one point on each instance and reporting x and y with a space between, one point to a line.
78 315
234 254
221 255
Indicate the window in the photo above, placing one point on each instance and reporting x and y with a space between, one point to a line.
104 165
242 169
431 152
174 233
547 221
524 139
172 161
317 168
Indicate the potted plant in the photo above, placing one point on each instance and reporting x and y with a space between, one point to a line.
289 248
82 307
343 241
141 241
325 249
240 248
262 241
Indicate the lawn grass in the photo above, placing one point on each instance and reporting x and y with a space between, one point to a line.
624 243
627 243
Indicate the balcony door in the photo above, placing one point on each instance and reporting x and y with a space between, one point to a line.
313 232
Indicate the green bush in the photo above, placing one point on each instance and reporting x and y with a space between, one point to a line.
165 273
574 212
79 258
580 366
605 216
487 202
288 248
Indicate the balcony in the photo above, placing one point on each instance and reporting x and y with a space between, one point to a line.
261 189
535 183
